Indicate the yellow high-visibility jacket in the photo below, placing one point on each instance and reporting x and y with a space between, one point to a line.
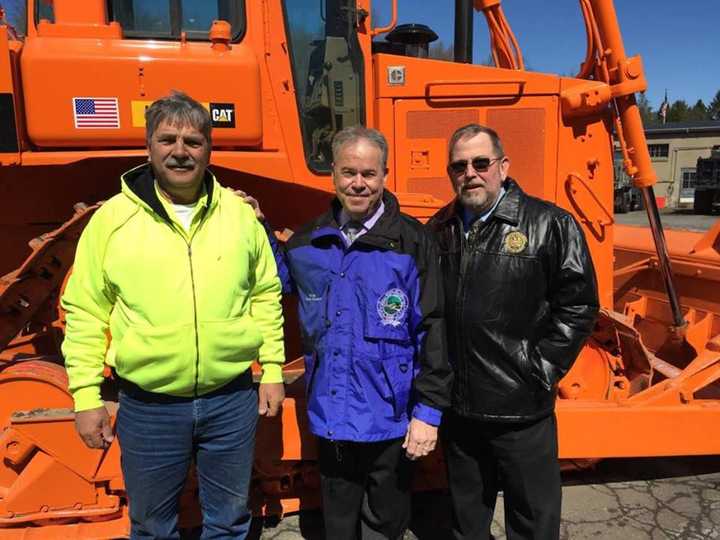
176 312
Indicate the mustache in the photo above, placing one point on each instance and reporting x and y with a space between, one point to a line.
468 186
172 162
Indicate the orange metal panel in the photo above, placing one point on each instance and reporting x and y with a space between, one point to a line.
437 79
57 437
601 429
135 73
88 12
527 129
584 186
117 527
365 35
6 78
45 483
682 244
385 123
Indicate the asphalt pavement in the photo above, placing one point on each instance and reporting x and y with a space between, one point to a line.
617 499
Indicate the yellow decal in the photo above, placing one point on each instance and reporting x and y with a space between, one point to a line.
515 242
138 108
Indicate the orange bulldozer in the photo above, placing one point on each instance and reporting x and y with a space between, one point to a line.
279 79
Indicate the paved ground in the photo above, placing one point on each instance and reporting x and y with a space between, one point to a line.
672 219
623 499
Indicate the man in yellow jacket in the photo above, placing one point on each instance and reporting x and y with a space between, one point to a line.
175 287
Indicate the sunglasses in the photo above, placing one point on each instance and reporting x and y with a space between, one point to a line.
480 164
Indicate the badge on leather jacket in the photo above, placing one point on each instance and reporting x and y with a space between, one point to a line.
515 242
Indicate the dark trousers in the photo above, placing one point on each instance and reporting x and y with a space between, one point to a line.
365 489
520 459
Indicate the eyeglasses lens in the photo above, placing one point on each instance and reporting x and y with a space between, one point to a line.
480 164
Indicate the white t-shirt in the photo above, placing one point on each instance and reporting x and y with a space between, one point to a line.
184 213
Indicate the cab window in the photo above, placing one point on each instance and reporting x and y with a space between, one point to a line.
327 70
168 19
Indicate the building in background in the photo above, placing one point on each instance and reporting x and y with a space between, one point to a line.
674 150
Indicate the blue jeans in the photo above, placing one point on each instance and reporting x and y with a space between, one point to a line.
161 435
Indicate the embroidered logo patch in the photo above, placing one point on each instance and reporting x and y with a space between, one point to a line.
515 242
392 307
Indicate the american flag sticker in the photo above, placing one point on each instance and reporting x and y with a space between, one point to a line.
96 113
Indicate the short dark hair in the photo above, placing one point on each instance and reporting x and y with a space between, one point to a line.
469 131
355 133
177 109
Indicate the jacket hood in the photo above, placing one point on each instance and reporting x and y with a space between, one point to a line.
139 185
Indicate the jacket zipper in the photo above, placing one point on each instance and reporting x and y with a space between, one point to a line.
458 317
195 319
188 243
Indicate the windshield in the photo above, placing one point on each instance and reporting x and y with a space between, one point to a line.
327 70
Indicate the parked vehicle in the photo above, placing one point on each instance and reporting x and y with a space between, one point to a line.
707 182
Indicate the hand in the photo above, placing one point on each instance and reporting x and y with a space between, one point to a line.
420 439
252 201
285 235
270 398
93 426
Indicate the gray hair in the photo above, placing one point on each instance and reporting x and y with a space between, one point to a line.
354 134
177 109
470 131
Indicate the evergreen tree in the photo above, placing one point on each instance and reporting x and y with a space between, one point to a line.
679 111
714 107
698 112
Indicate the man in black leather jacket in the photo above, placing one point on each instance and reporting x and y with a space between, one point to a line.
521 299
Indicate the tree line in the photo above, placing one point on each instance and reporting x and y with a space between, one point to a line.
679 111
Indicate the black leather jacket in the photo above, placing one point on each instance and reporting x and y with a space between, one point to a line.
521 298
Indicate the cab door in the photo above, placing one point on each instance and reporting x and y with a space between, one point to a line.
91 68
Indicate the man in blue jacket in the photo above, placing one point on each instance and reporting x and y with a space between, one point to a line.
371 312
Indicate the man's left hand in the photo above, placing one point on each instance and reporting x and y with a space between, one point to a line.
420 439
270 398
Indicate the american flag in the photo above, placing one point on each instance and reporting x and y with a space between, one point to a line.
664 106
96 113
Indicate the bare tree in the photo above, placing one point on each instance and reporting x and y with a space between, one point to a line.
648 115
440 51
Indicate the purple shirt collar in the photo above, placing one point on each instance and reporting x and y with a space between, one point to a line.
367 223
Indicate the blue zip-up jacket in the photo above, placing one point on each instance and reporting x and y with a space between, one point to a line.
372 324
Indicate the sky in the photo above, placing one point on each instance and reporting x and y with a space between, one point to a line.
679 42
